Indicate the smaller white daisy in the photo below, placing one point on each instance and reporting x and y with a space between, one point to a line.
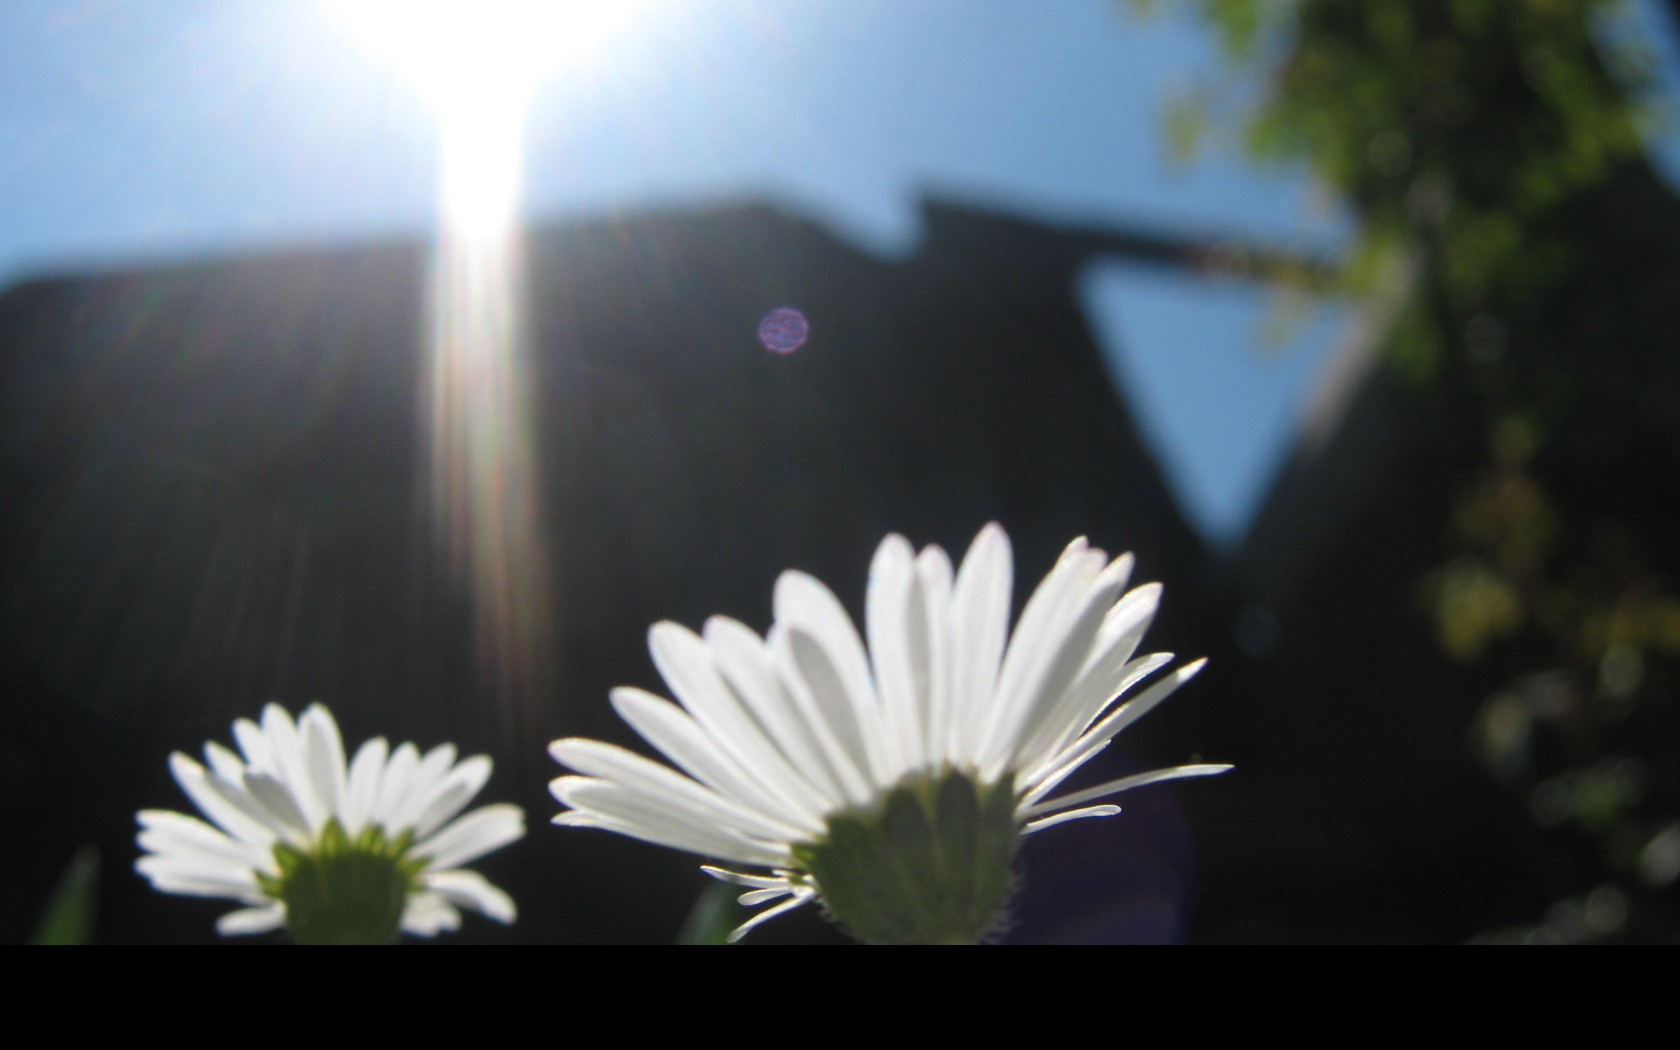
893 782
333 853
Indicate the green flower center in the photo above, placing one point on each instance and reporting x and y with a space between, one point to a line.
931 863
344 891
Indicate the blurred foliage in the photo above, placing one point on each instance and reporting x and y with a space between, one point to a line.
1478 144
714 916
1454 128
68 916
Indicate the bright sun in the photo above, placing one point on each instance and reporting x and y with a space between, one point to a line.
476 63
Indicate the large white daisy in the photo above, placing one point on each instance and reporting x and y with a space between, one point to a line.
334 853
893 783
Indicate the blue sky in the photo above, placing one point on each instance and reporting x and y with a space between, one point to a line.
139 130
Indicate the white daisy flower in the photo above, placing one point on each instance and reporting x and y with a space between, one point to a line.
893 783
335 854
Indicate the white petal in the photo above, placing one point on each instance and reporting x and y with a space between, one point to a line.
760 882
469 889
1035 644
176 834
173 875
237 878
753 898
394 784
428 914
747 668
1068 631
1107 673
693 669
888 618
808 678
367 771
236 820
662 785
452 796
1114 787
1106 679
606 805
1045 782
479 832
1124 715
1072 814
731 715
240 798
1120 569
254 745
801 897
979 628
423 786
226 764
252 920
291 770
323 758
804 604
667 727
274 797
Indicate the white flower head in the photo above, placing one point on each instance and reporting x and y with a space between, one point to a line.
894 782
334 853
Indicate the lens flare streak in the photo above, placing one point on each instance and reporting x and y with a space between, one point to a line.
485 487
477 63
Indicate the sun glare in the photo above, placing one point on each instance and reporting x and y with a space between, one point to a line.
442 43
476 64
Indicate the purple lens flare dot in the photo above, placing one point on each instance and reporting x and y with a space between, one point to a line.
783 330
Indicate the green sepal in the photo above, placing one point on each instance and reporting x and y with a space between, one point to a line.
345 891
931 863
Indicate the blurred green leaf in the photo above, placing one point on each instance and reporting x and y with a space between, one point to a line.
68 918
714 915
